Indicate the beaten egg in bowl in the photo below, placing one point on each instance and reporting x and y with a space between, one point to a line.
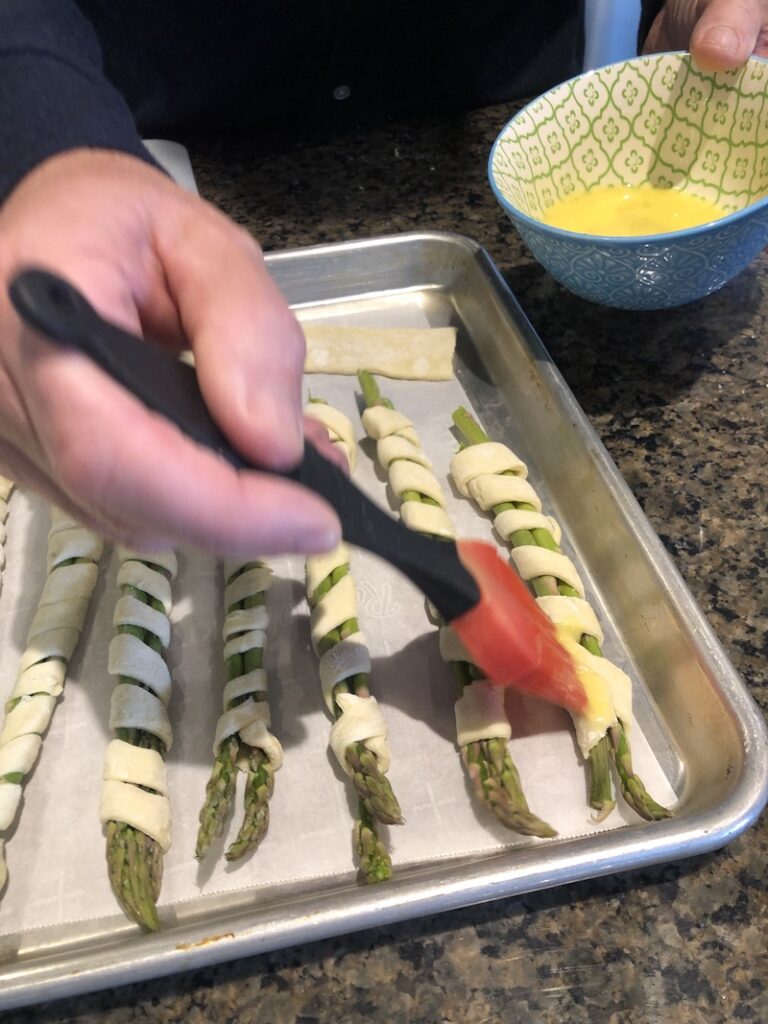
621 210
643 184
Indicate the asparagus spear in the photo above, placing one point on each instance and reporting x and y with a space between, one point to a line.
373 787
375 862
235 750
72 557
219 795
615 742
376 799
492 772
6 488
135 859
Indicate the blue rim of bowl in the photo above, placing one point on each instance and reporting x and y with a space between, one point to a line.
609 240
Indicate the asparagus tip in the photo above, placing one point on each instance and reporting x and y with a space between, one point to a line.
496 783
372 786
219 794
259 786
135 865
632 787
375 862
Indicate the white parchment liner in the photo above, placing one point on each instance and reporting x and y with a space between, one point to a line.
56 855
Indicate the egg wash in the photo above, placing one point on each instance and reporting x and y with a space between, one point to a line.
631 210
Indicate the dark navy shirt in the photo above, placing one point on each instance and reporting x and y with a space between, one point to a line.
102 72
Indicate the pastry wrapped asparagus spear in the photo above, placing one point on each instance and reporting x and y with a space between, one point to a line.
6 487
483 730
495 478
135 808
73 557
243 741
359 732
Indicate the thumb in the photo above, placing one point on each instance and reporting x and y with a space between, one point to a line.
248 346
726 34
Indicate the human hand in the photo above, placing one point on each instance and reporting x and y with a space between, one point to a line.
159 261
720 34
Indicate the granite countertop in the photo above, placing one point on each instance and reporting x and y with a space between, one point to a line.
681 401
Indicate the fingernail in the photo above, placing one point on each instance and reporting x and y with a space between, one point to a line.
722 37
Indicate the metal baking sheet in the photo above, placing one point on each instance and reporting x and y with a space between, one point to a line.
676 661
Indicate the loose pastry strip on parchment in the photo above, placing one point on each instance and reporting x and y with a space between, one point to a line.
359 732
135 809
496 479
6 489
482 727
408 353
72 565
243 741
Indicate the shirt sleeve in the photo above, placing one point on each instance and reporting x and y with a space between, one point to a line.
53 94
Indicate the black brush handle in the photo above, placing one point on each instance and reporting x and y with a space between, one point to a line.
168 386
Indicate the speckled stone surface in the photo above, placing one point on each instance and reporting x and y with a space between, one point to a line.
681 401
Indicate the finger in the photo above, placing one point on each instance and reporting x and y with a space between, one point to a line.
249 349
158 315
159 318
138 474
726 34
19 467
657 40
316 433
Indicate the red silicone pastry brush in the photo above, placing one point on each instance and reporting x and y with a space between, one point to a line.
480 595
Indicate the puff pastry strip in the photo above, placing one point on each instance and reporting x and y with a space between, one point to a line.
72 559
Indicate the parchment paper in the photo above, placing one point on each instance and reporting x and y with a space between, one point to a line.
55 857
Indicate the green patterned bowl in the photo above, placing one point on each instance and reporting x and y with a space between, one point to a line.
651 119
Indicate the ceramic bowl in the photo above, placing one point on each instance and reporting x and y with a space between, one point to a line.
653 119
